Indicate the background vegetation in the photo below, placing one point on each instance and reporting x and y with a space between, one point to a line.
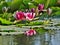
14 5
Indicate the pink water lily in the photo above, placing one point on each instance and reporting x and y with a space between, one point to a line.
30 32
40 7
19 15
29 15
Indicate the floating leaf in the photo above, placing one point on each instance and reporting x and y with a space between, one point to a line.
4 21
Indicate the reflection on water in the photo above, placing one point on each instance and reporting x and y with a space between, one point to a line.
39 39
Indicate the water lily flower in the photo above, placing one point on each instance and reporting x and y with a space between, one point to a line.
29 15
19 15
30 32
49 11
40 7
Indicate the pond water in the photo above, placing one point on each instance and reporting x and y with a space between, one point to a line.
39 39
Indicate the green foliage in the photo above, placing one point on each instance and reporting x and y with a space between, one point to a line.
57 25
29 24
2 4
7 16
25 2
8 31
20 25
52 3
0 9
32 5
15 4
5 22
47 3
40 1
22 7
36 23
55 9
56 13
9 3
40 30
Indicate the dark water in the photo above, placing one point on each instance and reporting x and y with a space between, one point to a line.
52 38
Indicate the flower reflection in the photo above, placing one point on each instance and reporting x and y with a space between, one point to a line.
30 32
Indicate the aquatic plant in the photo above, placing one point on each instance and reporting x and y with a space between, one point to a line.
19 15
41 7
5 22
40 30
33 10
24 16
49 11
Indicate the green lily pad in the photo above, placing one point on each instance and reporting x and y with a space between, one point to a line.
4 21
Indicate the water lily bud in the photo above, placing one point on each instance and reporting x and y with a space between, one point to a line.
33 10
49 11
4 9
40 7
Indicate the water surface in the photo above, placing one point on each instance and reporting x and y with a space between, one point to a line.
39 39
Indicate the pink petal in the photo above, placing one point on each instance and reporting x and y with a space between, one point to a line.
20 15
31 33
34 32
41 7
30 16
28 34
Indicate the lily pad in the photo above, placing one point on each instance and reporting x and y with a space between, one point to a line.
4 21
